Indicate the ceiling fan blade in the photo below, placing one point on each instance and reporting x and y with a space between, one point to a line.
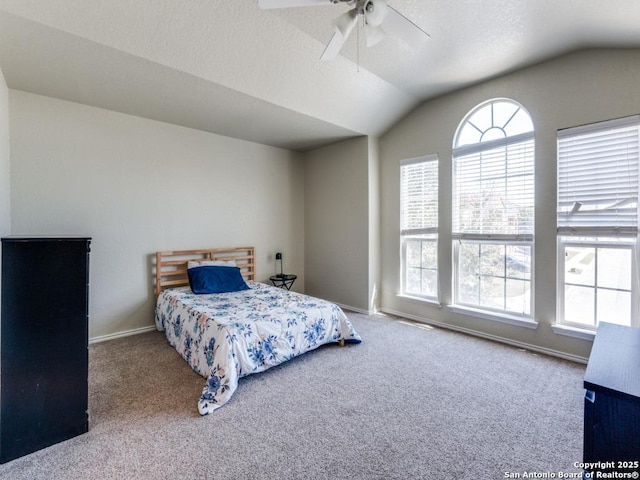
374 35
343 26
268 4
397 24
345 22
333 47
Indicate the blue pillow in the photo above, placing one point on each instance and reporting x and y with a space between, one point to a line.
216 279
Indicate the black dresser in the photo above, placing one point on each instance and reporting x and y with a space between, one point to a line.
44 340
612 400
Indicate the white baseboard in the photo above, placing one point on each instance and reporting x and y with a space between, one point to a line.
495 338
112 336
354 309
514 343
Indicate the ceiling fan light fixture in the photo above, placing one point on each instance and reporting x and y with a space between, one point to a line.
374 12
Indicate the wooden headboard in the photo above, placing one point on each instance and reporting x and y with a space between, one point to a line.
171 266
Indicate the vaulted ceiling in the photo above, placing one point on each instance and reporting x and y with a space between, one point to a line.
228 67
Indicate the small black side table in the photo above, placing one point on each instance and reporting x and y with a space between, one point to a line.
283 280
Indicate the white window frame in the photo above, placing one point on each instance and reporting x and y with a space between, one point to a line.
496 312
427 234
484 311
563 243
610 233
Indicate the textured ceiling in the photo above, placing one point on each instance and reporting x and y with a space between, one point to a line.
228 67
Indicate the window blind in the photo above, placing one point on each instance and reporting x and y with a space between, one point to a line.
419 196
598 178
494 191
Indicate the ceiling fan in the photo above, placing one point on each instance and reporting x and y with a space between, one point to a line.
378 17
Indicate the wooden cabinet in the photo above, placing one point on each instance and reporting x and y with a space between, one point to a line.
612 400
44 340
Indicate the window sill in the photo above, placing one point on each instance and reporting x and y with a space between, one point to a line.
497 317
573 332
415 298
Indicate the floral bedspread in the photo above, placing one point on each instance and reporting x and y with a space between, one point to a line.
226 336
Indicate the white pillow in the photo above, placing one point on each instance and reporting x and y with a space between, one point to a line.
210 263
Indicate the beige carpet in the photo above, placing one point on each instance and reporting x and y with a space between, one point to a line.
407 403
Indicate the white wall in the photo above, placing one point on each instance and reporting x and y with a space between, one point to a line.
137 186
575 89
5 184
374 223
337 226
5 190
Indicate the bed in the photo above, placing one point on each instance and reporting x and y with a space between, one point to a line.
228 335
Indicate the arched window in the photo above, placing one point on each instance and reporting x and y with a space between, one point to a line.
493 120
493 210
